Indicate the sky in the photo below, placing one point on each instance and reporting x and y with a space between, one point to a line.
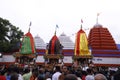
67 14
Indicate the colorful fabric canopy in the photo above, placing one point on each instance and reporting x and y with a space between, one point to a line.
81 44
27 46
54 46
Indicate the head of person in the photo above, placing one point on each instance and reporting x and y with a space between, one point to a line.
70 77
100 77
14 76
26 70
89 71
57 68
64 69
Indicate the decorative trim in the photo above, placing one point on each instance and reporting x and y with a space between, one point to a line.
82 56
53 56
17 54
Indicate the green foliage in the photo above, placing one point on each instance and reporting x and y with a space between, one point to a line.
10 36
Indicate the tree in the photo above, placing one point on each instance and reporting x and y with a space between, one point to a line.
10 36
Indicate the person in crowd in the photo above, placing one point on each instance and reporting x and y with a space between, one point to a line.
19 72
70 77
84 73
65 71
14 76
48 76
41 75
78 74
117 75
2 77
100 77
111 75
57 73
34 75
27 74
10 70
90 75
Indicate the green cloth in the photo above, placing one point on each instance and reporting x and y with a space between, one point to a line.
27 76
26 46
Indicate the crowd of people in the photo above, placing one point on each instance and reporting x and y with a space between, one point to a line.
35 72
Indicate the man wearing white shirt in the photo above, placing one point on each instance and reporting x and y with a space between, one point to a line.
90 75
57 73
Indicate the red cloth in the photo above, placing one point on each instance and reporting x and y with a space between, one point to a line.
83 77
2 77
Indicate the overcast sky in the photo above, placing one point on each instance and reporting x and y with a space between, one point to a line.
67 14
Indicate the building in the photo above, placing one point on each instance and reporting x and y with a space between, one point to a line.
103 47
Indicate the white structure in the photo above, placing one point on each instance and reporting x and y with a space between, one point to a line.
67 44
106 60
66 41
7 58
39 43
